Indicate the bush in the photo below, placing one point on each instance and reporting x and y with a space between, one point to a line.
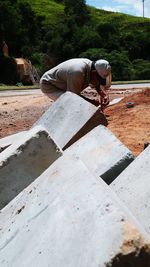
122 68
8 70
141 69
94 54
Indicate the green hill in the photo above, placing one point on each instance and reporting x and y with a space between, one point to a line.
49 9
52 11
48 32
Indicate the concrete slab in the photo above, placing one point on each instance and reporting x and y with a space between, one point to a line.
69 118
133 188
9 140
103 153
69 218
24 161
115 101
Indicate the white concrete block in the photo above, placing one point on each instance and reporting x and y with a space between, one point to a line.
133 188
115 101
69 218
69 118
102 153
24 161
10 139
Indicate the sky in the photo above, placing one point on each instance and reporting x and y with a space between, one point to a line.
131 7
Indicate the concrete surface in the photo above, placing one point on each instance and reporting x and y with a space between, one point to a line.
8 93
24 161
10 139
130 85
133 187
69 218
102 153
115 101
69 118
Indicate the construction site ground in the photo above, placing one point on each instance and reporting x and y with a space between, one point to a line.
130 124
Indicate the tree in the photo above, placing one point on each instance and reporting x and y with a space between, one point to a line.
10 21
30 25
78 10
141 69
86 37
109 33
95 54
122 68
8 70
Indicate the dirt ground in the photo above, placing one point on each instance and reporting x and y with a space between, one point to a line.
130 125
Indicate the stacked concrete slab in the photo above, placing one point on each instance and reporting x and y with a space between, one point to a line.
10 139
24 161
102 153
69 110
69 218
59 211
133 188
69 118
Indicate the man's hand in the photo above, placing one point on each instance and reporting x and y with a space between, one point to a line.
104 98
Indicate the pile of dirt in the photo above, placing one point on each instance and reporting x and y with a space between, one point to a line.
130 125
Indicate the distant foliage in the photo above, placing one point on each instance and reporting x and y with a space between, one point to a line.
141 69
8 70
10 24
122 68
58 30
77 10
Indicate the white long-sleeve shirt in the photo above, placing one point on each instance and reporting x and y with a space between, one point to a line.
72 75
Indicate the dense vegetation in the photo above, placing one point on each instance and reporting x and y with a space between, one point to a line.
48 32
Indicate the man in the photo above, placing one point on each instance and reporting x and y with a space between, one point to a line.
75 75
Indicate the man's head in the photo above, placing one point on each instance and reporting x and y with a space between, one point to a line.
103 68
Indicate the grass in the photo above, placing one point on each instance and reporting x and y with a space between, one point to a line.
15 87
130 82
52 11
48 9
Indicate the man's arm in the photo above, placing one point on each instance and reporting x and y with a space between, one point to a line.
103 91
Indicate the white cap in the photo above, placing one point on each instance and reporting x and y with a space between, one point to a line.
103 68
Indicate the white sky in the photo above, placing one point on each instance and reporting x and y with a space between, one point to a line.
132 7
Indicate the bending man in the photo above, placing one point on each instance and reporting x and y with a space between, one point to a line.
75 75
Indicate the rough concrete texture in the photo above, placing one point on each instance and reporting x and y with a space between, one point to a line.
69 218
69 118
102 153
9 140
133 188
24 161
